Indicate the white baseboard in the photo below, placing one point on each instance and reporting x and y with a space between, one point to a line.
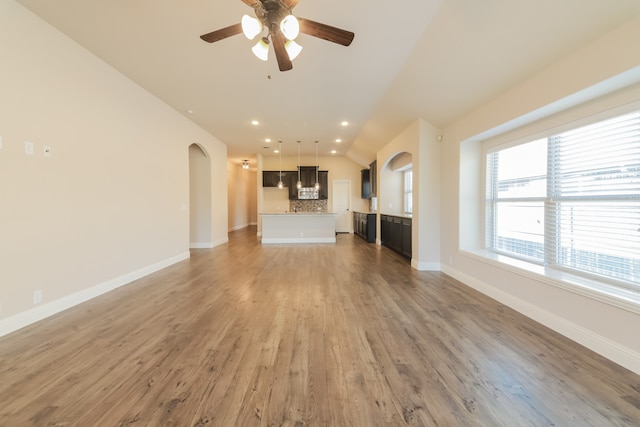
200 245
425 266
20 320
238 227
269 240
220 242
612 350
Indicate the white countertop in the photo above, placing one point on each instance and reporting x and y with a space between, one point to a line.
299 213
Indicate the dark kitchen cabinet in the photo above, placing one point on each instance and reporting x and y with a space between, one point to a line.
364 225
405 244
292 184
365 184
271 178
290 180
373 179
308 176
323 179
395 233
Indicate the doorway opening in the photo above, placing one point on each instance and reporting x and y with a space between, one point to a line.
200 235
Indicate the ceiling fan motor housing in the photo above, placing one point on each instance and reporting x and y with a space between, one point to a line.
271 13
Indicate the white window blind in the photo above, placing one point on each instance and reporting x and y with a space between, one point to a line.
571 201
516 193
594 198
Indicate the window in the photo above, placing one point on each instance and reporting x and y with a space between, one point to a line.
570 201
408 191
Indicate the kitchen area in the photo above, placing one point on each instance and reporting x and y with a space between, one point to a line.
307 218
307 213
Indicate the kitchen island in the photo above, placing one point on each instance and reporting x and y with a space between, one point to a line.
298 227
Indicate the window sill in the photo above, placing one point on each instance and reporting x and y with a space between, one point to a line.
600 291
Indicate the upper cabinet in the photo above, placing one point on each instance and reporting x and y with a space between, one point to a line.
365 184
308 176
373 179
271 178
290 180
323 179
292 185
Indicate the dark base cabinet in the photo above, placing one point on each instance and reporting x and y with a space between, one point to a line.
364 225
395 233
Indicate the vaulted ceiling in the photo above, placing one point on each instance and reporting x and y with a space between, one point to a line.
431 59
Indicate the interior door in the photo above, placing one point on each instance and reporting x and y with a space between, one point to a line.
342 205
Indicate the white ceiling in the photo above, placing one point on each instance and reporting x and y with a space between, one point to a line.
434 59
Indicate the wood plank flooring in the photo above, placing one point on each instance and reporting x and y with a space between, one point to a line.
303 335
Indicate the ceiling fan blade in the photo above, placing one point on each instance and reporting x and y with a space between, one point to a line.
284 63
290 3
222 33
326 32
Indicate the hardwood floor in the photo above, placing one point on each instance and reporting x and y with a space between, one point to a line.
319 335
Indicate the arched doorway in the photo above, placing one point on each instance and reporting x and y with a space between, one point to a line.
199 198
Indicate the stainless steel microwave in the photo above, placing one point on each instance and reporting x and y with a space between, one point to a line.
307 193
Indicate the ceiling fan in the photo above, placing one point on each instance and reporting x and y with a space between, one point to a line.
276 16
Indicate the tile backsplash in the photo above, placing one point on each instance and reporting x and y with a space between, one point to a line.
307 205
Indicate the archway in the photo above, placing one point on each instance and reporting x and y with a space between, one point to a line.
391 185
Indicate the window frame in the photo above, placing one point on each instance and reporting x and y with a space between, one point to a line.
550 258
406 192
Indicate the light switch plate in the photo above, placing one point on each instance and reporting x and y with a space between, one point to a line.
28 148
0 142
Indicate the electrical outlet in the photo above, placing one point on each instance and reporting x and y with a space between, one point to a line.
37 297
28 148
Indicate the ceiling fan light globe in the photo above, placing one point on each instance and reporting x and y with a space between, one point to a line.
261 50
293 49
251 27
290 27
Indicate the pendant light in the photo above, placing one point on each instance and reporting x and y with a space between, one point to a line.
317 167
280 184
299 183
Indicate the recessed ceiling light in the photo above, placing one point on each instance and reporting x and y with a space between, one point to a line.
189 111
338 140
345 123
267 140
276 151
333 151
255 122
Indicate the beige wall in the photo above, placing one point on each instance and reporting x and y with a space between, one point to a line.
420 142
560 93
111 202
242 202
